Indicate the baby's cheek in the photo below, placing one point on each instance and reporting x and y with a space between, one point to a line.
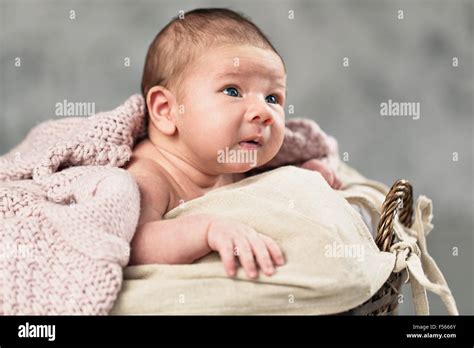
278 137
272 148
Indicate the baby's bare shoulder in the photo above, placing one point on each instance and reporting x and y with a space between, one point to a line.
154 189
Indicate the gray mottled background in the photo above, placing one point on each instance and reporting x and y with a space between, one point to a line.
404 60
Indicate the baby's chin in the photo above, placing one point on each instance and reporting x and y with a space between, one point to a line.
238 168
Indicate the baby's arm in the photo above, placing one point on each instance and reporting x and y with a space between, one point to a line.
175 241
185 239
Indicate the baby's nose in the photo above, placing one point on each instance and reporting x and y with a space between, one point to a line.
266 119
259 112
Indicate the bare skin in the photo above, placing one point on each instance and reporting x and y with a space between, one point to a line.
223 104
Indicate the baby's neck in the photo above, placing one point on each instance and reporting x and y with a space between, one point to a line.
187 177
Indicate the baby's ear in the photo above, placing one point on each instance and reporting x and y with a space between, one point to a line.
160 102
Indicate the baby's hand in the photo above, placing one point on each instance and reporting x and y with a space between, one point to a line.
328 173
231 238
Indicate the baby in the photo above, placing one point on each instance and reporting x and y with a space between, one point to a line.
214 85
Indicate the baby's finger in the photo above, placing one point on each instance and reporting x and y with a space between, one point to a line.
328 175
318 166
337 183
274 249
244 252
313 164
226 251
261 254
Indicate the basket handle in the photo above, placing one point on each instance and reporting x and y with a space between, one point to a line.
399 198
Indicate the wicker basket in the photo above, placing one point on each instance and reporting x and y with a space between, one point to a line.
399 201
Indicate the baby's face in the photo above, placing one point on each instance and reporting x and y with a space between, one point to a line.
232 94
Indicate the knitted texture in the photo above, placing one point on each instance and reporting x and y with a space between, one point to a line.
67 257
65 234
68 214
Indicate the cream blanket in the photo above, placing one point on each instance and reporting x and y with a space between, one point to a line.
332 265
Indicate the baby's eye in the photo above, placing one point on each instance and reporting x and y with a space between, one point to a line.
231 91
272 99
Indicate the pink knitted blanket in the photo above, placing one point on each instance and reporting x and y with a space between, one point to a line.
68 212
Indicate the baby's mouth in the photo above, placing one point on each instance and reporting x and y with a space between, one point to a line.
250 144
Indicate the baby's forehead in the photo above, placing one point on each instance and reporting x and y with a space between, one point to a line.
250 73
241 57
243 63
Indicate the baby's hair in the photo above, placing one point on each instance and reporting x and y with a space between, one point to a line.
183 39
